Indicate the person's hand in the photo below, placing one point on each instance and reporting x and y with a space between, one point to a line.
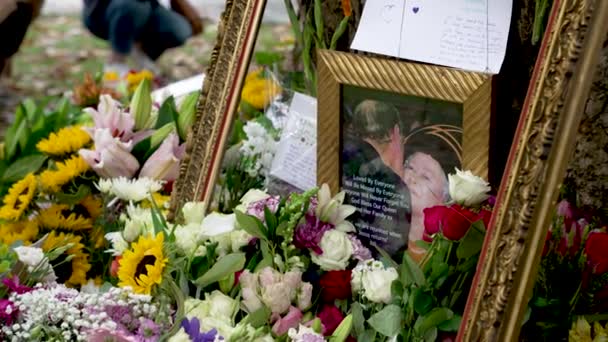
184 8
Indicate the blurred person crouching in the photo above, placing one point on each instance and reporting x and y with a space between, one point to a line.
141 29
15 18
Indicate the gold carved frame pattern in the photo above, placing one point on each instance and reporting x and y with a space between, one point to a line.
537 163
220 97
335 69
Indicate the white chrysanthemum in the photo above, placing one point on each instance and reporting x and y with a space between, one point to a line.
138 221
119 245
130 189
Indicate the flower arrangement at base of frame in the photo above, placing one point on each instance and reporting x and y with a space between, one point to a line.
87 254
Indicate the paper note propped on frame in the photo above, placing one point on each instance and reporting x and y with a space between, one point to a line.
465 34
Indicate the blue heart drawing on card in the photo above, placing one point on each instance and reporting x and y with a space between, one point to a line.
415 9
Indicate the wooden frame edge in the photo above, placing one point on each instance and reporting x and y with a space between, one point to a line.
220 97
535 169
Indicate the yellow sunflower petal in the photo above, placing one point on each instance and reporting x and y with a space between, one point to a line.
73 272
61 217
141 267
54 180
18 199
66 141
24 231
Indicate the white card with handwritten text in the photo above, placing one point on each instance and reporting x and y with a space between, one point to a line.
465 34
295 161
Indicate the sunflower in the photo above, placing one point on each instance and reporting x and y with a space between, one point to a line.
24 231
53 180
97 237
18 198
259 91
90 207
73 272
66 141
141 267
60 216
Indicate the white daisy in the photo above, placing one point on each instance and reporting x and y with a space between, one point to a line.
130 189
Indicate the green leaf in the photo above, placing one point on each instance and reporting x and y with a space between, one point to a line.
439 271
387 321
30 109
411 272
358 318
199 266
430 335
451 325
472 242
368 335
167 112
431 320
15 134
271 222
423 302
250 224
268 58
224 266
319 23
258 318
187 113
338 33
74 198
294 21
22 167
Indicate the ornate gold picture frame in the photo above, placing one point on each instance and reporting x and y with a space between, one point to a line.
543 144
337 70
220 97
389 133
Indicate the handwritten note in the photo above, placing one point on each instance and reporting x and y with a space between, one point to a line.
465 34
295 161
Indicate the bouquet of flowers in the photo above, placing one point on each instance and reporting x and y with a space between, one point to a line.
573 278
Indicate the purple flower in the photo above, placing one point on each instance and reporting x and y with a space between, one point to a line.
257 208
14 285
193 329
8 312
360 252
309 234
148 331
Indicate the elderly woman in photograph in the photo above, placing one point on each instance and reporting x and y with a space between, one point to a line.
378 124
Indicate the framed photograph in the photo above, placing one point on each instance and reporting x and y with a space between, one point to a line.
389 133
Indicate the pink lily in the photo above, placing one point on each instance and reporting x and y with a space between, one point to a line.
111 157
110 115
163 164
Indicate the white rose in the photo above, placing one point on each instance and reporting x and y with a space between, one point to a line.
376 284
215 224
187 238
193 212
216 311
337 250
468 189
251 196
31 256
239 238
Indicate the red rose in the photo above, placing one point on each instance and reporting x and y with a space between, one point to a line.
330 317
595 248
335 285
547 243
453 221
446 337
485 216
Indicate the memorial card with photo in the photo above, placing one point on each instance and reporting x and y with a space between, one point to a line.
396 153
